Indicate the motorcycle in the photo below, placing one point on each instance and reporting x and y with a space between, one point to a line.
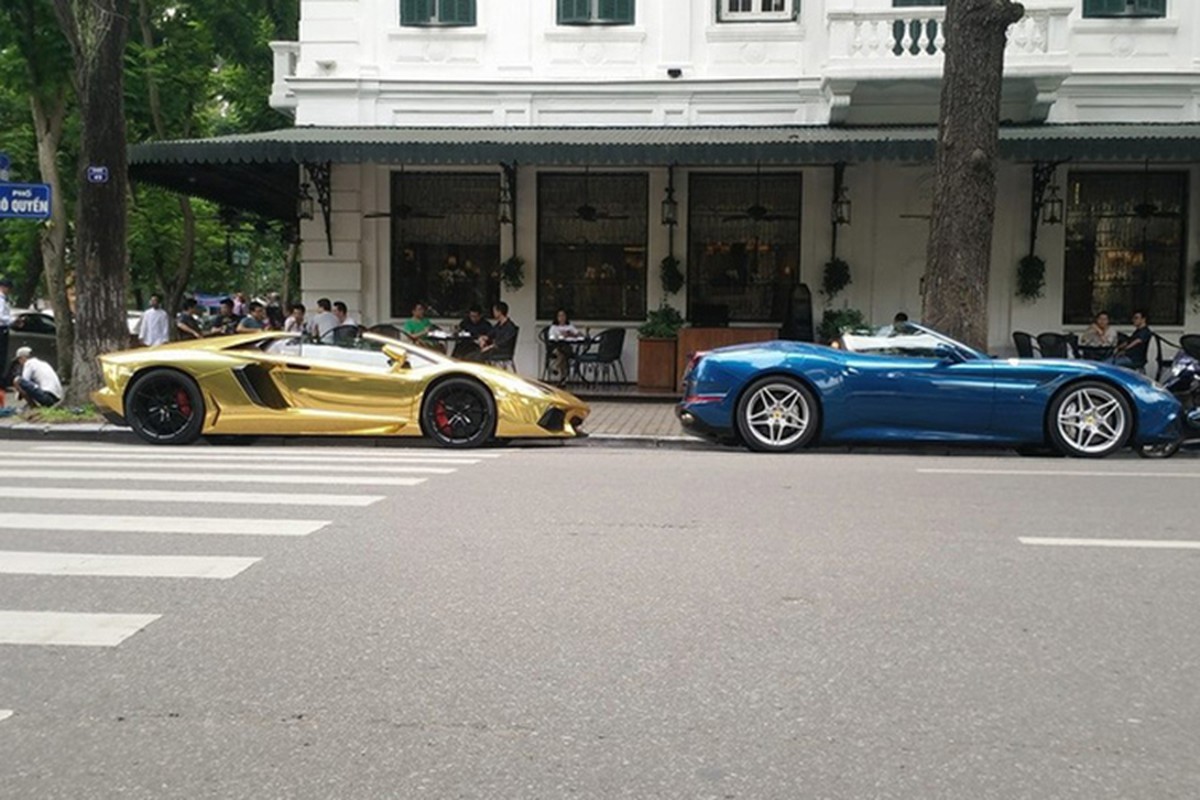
1183 381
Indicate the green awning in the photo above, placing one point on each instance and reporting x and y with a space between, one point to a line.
258 171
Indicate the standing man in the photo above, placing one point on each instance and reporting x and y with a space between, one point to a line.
226 321
324 320
343 314
39 383
187 322
274 311
295 321
6 318
155 326
255 320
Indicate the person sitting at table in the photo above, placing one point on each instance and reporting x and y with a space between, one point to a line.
1099 333
1134 352
418 326
560 351
504 331
476 327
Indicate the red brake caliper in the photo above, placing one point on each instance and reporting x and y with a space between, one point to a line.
439 416
184 402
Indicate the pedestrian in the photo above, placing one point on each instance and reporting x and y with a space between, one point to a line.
274 311
255 320
226 321
39 384
295 320
186 321
342 313
239 304
6 317
154 328
324 320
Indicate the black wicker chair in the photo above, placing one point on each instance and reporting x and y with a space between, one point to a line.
1024 344
1190 344
606 359
1054 345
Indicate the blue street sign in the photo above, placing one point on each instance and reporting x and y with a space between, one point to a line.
97 174
24 201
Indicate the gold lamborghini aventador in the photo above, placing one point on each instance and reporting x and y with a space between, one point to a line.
275 384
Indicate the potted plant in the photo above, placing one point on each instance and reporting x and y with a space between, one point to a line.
1031 278
835 278
512 273
657 339
671 275
837 321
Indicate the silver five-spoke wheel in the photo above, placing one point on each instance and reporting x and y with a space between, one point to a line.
1090 420
777 414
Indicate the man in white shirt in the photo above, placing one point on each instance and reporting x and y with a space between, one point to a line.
6 319
39 383
324 320
155 325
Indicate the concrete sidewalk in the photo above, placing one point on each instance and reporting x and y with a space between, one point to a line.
612 423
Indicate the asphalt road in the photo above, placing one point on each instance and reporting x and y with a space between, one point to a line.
559 622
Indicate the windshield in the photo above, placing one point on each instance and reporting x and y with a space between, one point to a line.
367 351
908 340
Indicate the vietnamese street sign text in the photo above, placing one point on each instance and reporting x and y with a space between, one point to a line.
24 201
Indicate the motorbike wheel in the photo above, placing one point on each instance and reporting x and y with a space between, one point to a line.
1158 450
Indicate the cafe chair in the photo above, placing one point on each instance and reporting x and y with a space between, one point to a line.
341 336
1190 344
1024 344
385 329
547 352
605 360
503 356
1162 362
1054 345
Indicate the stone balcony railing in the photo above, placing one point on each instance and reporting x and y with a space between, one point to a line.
896 43
286 57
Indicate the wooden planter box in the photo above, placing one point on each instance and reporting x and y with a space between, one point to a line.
656 364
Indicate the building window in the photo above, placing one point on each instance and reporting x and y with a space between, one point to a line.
592 245
437 12
1126 236
756 10
445 242
743 245
595 12
1124 8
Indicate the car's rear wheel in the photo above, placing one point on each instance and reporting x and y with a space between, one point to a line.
777 415
165 407
1090 420
459 413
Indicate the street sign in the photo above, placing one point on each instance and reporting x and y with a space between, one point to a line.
97 174
24 201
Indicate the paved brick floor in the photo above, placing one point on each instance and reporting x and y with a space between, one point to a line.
626 418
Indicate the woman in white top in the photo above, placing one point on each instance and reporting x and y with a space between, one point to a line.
1099 333
561 329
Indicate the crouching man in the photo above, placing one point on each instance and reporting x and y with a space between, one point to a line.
38 383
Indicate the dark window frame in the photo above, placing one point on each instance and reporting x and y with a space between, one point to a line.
544 310
429 13
1124 9
592 12
725 16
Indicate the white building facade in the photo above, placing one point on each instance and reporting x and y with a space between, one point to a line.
458 134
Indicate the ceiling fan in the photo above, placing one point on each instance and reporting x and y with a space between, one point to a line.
756 212
402 210
588 212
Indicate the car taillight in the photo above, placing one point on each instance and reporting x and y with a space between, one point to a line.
694 360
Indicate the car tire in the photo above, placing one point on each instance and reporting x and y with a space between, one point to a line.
458 412
1089 420
164 406
778 415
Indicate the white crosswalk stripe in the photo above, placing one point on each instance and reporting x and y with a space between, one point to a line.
5 714
240 526
20 562
64 628
73 487
233 499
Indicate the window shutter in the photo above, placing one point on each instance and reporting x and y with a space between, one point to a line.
457 12
1151 8
573 11
415 12
619 11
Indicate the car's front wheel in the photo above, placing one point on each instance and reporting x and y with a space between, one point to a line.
165 407
1090 420
459 413
778 415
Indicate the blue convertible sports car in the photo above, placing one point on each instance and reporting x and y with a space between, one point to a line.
913 384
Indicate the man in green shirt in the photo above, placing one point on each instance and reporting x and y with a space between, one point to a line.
417 327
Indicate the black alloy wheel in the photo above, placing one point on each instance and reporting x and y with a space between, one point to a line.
459 413
165 407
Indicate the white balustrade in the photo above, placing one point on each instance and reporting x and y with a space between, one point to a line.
285 58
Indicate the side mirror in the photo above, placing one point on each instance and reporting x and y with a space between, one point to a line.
397 356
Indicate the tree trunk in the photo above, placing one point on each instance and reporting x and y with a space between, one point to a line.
97 32
964 200
49 126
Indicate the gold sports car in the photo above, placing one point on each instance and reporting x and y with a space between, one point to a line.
275 384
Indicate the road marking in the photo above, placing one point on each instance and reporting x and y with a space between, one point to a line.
4 714
17 562
222 477
246 471
239 451
244 456
61 628
240 499
194 524
1150 544
1041 473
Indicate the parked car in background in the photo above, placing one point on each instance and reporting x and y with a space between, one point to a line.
35 330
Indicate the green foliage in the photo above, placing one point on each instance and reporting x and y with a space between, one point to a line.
837 321
671 274
663 322
835 278
512 273
1031 278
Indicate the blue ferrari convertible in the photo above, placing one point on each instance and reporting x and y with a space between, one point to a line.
912 384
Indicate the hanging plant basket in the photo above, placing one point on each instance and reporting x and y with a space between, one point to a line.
1031 278
835 278
512 273
671 274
